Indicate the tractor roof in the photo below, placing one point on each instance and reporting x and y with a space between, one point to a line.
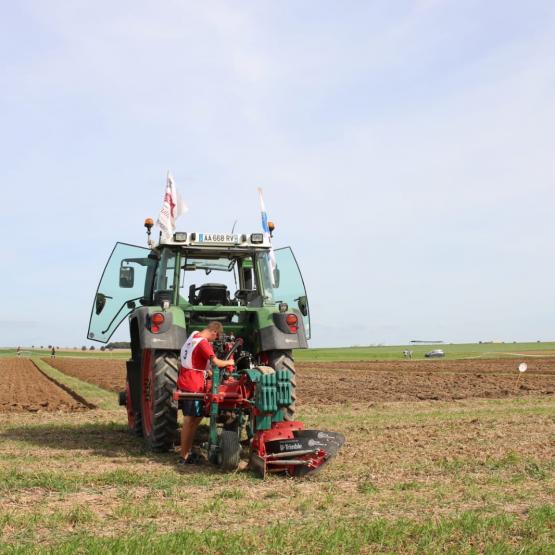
228 242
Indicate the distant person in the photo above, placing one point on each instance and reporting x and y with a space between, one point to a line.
53 353
19 351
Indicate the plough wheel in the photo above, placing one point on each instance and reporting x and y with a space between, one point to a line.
230 450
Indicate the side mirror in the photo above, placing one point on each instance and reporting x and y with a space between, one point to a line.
99 302
302 303
276 277
126 277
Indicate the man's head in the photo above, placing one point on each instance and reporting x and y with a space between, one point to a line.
212 331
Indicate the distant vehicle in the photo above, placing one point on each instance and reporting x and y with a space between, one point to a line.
436 353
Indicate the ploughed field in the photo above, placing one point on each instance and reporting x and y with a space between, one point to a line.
26 389
372 381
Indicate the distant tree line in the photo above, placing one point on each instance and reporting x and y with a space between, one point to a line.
119 345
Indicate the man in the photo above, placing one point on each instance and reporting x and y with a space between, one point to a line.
197 357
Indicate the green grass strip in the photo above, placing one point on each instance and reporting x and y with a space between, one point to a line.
93 394
470 532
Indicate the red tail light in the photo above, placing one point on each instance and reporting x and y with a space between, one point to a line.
157 318
291 320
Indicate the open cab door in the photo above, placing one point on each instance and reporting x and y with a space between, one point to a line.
124 282
289 285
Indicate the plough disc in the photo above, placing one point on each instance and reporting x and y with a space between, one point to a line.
303 452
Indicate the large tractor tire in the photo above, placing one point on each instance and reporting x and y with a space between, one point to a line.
280 360
159 410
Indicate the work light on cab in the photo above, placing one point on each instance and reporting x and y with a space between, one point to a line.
257 238
149 223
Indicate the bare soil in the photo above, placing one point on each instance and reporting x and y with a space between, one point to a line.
375 381
446 380
105 373
26 389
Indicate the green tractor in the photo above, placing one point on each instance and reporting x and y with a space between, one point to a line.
173 288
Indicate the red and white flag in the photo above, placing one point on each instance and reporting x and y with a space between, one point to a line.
172 207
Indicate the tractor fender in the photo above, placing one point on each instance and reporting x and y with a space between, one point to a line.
172 333
274 339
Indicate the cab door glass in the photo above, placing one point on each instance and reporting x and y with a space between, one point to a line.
121 286
289 285
165 273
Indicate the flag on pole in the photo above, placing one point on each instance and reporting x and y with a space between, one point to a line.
263 213
172 207
272 264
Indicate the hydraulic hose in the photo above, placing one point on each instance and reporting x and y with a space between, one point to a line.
238 343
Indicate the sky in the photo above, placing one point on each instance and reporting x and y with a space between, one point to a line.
404 149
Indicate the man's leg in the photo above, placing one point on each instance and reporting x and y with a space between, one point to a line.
188 431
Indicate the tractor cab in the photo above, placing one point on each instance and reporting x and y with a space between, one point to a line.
208 276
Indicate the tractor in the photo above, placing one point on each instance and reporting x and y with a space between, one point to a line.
177 286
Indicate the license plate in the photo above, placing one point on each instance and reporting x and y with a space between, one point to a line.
218 238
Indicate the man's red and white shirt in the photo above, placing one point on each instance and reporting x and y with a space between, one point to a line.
195 362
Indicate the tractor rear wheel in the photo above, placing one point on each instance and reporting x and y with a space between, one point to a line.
159 410
283 360
230 450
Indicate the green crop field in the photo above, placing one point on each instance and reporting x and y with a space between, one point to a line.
386 352
452 351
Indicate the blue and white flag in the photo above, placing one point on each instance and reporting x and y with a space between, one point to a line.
266 229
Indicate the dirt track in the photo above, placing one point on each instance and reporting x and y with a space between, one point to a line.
338 382
24 388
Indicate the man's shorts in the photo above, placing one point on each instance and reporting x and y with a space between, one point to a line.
192 407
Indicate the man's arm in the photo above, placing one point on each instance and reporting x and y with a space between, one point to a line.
222 363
